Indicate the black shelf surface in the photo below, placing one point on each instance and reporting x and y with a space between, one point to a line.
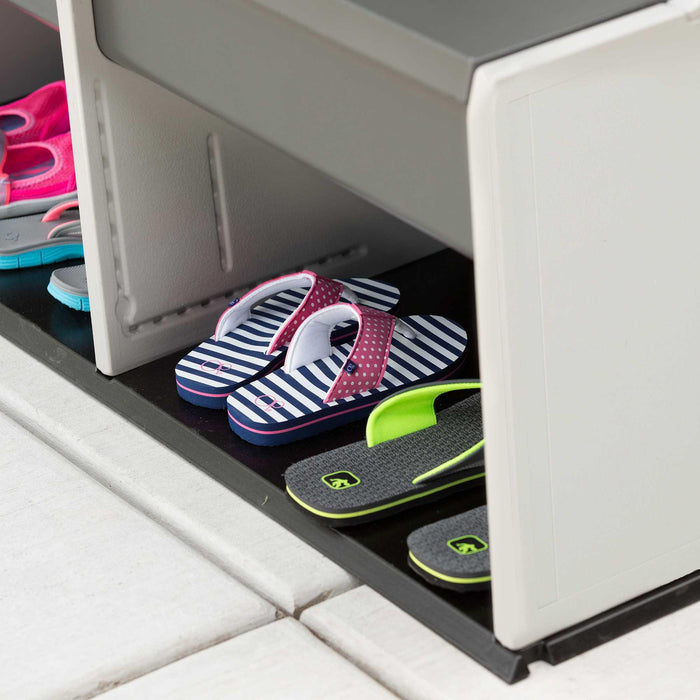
374 552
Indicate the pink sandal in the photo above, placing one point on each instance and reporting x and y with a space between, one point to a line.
35 176
37 117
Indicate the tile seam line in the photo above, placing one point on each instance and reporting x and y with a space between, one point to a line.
218 641
62 447
132 500
364 668
221 639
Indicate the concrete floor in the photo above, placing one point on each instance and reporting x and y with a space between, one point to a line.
129 573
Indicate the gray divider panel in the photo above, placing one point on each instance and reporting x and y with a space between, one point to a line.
371 93
44 10
30 52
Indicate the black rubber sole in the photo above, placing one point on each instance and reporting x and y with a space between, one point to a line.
449 585
387 512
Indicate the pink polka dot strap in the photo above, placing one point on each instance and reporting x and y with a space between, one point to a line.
366 363
323 292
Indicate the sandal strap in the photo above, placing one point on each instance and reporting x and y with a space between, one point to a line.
413 409
4 179
365 366
54 214
322 292
63 229
67 229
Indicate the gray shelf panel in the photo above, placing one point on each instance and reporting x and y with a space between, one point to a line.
30 52
455 33
45 10
373 99
386 137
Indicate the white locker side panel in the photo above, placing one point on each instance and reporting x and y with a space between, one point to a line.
584 167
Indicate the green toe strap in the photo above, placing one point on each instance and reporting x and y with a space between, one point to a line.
414 409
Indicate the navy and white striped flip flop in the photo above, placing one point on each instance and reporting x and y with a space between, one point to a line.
323 386
252 335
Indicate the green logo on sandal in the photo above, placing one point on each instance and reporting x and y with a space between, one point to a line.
467 544
340 480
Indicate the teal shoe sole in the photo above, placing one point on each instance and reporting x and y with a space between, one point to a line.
44 256
72 300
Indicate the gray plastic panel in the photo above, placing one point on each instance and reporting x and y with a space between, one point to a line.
391 128
45 10
402 33
182 211
483 30
30 49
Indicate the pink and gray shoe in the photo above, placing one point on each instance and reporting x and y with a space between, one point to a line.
35 176
37 117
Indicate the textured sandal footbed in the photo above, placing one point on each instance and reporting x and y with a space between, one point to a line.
429 546
26 233
216 368
386 471
70 280
33 206
279 403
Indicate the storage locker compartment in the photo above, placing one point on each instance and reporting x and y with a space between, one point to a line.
301 219
178 204
331 230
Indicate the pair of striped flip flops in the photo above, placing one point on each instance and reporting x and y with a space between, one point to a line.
411 455
301 354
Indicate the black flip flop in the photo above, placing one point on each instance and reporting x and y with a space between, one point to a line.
411 456
453 553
